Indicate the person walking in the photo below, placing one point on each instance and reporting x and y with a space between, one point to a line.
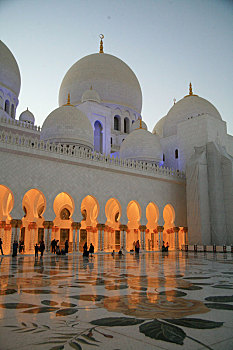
42 248
53 245
15 248
137 247
1 243
36 250
91 249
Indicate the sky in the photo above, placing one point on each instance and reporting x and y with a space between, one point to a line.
167 43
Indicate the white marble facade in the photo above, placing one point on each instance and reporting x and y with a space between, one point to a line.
174 184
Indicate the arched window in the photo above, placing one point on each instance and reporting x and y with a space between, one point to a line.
163 157
65 214
111 141
12 111
176 154
98 137
126 126
7 106
117 123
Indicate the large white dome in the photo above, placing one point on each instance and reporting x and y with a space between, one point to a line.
141 145
9 70
114 81
67 124
189 106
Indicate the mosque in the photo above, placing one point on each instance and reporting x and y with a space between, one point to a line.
93 172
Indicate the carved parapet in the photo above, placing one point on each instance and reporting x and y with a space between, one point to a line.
76 225
48 224
142 228
160 228
176 229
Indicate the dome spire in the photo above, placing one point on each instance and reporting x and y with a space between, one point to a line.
190 89
68 101
101 43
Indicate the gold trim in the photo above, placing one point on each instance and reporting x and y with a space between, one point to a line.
101 43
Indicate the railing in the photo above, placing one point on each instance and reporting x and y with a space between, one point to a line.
82 152
18 123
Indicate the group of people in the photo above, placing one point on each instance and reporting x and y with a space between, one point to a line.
56 247
136 246
86 252
40 247
165 248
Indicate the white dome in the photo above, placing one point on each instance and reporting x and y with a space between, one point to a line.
189 106
137 124
9 70
67 124
141 145
158 128
27 116
112 78
91 95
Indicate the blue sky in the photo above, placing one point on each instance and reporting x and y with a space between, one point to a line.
167 43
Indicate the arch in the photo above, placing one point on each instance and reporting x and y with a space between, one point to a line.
12 111
98 136
117 123
90 212
169 223
7 106
126 125
151 236
63 207
34 205
112 237
134 215
6 203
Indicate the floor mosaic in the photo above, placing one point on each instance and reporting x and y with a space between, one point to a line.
172 300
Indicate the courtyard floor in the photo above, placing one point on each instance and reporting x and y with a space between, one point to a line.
156 300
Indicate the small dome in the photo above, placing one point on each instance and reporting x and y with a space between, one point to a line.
67 124
27 117
9 70
158 128
137 124
189 106
91 95
141 145
115 82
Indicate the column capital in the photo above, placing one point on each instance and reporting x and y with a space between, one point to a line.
142 228
48 224
176 229
76 225
100 226
16 223
2 224
160 228
185 229
123 227
32 225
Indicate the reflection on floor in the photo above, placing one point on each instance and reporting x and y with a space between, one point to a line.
147 301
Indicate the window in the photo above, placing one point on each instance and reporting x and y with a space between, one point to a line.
163 157
117 123
12 111
65 214
98 137
111 141
176 154
7 106
126 126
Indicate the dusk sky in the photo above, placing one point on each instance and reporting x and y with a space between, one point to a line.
167 43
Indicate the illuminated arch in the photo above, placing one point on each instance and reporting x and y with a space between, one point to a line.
6 203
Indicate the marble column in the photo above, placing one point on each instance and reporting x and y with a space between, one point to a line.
186 235
16 224
160 232
48 226
142 229
76 233
32 226
100 228
176 232
123 229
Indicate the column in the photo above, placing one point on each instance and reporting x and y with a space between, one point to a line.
160 232
176 231
16 224
2 226
48 226
77 239
32 226
142 229
186 235
100 228
74 227
123 229
106 239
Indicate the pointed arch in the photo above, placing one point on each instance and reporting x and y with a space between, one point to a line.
134 216
112 237
151 236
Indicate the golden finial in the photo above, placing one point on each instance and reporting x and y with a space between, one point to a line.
101 43
68 101
190 90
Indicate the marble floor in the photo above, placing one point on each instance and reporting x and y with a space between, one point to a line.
172 300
